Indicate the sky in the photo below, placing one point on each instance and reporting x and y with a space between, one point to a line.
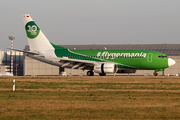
87 22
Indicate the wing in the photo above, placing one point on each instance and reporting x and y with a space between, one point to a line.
65 61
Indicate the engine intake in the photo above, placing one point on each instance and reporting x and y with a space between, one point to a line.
105 68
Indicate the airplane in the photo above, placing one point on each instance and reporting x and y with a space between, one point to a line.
95 61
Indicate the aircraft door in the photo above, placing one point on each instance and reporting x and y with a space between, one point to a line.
149 58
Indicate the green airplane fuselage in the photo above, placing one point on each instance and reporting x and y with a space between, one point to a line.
125 59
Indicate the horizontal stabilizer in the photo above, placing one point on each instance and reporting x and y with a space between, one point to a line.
34 53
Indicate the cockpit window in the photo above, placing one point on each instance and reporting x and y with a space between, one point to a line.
162 56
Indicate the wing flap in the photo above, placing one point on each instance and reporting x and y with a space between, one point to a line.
75 63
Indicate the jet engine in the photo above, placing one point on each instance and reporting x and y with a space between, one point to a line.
105 68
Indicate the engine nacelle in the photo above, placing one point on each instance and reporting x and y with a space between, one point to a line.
105 68
126 71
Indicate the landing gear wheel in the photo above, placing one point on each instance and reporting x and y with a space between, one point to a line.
90 73
102 74
155 73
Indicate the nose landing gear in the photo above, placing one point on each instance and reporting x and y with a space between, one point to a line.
155 73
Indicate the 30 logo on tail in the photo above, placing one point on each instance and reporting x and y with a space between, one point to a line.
32 30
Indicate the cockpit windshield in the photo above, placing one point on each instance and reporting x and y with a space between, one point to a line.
162 56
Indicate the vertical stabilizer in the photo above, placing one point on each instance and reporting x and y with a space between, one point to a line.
36 39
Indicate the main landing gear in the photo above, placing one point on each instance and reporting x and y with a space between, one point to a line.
90 73
102 74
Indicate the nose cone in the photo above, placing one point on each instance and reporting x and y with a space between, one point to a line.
171 62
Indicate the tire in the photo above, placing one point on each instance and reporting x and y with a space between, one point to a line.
90 73
155 73
102 74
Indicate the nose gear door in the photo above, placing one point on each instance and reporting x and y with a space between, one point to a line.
149 58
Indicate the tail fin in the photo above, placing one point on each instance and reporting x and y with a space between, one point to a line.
36 39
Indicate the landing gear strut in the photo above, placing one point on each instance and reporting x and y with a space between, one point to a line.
155 73
90 73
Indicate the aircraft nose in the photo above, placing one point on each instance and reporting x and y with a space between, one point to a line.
171 62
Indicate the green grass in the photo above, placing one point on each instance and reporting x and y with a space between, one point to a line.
90 86
90 98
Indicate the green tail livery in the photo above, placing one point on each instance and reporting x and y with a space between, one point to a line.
95 61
